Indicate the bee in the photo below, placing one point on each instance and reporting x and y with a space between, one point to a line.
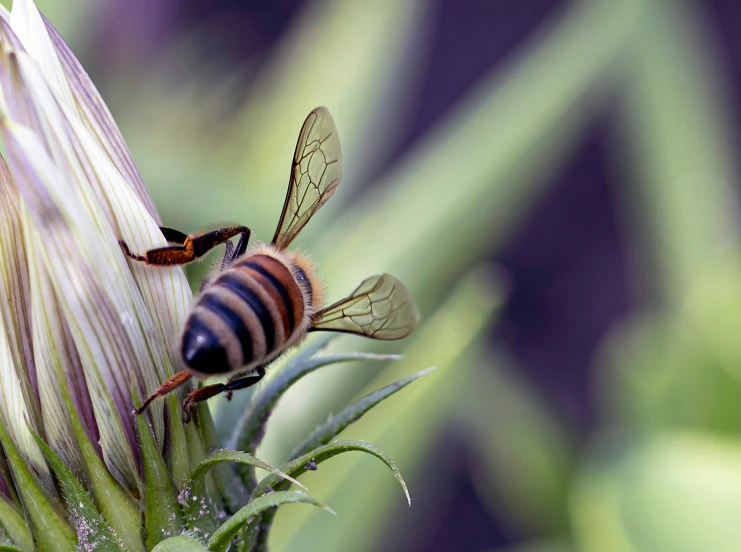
266 298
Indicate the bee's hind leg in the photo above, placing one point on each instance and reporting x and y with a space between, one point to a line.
205 393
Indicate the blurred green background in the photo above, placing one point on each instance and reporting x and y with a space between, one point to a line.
555 182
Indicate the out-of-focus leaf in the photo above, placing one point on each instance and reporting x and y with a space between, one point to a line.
521 457
220 540
50 529
14 524
325 433
674 492
159 496
181 543
11 548
683 200
92 532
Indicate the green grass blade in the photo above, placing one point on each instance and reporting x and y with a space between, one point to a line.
93 532
220 540
325 433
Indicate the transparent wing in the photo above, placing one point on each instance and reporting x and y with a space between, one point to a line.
315 173
380 308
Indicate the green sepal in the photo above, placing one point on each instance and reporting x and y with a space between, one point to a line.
194 497
337 423
223 536
111 499
11 548
230 488
297 466
181 543
178 460
50 530
159 496
12 520
5 474
92 531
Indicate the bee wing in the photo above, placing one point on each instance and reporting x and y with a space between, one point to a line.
379 308
315 173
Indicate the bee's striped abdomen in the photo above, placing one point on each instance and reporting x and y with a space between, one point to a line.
245 316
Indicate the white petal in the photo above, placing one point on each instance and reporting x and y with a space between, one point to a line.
59 367
94 113
30 29
18 410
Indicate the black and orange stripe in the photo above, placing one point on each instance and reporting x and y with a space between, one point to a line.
246 316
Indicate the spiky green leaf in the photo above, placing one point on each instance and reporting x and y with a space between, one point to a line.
93 533
301 464
224 534
337 423
249 430
194 498
298 465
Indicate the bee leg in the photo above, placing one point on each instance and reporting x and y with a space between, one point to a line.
199 395
209 391
167 386
187 248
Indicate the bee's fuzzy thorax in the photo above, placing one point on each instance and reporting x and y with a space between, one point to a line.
293 259
309 269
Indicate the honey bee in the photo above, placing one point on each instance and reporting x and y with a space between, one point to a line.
265 298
